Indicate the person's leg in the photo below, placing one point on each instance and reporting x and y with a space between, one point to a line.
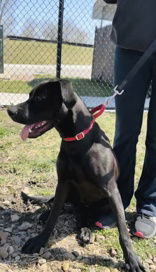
129 112
146 192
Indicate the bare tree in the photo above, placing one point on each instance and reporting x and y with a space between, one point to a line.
7 15
32 29
29 29
3 4
49 32
71 33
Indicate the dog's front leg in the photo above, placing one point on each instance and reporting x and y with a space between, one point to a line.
132 262
34 245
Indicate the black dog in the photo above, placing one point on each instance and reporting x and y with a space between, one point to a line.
87 168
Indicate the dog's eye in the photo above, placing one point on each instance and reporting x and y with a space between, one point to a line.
39 98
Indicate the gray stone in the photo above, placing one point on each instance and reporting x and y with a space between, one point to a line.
17 258
3 237
46 255
112 252
25 226
4 251
42 261
9 229
10 250
14 217
75 253
16 240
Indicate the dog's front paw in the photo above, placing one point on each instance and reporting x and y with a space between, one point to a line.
133 264
85 236
33 245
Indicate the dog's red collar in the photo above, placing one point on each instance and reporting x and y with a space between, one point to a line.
96 112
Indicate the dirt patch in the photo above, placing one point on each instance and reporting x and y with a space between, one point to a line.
18 222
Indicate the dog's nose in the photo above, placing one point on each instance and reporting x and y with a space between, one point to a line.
12 111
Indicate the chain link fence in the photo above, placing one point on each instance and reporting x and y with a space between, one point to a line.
40 40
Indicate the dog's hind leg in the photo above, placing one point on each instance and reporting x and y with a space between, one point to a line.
36 200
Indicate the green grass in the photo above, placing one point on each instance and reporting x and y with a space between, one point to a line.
34 160
82 86
4 132
14 86
31 52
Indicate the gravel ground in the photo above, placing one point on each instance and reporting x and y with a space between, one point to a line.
18 222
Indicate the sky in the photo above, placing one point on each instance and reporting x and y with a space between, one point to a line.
42 12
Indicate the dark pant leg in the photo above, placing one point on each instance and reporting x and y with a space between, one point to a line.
129 113
146 192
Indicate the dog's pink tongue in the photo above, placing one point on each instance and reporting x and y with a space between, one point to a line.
25 132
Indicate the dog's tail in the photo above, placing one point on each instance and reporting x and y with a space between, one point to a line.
36 200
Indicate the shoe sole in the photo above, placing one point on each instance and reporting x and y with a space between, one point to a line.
99 225
139 234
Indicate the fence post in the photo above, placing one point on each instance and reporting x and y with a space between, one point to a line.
59 38
1 50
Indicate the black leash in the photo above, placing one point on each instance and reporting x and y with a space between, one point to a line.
119 89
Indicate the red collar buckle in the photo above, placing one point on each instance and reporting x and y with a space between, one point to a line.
96 112
79 136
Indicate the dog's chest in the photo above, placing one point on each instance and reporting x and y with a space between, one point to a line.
85 185
88 192
84 180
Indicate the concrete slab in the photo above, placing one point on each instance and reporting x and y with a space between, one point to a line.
90 101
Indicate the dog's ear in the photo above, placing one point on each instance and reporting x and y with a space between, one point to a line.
67 93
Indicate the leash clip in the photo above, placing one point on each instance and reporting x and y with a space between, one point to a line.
117 92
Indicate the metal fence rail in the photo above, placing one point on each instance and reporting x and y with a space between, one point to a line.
49 39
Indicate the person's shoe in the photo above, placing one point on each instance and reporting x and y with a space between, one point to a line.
106 221
145 226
